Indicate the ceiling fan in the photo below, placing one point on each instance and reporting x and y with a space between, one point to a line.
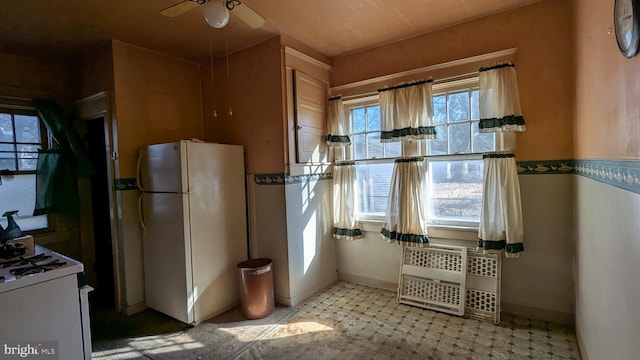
216 12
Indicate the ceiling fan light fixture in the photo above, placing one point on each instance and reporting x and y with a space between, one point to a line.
216 13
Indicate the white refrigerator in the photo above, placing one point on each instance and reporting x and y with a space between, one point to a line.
193 215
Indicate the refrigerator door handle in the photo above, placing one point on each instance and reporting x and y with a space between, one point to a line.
140 216
138 170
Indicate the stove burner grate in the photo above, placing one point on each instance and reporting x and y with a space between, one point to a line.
35 268
25 260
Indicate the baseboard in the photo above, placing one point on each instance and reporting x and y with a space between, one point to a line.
216 313
281 300
135 308
581 347
362 280
538 314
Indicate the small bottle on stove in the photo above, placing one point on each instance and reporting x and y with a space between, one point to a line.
13 230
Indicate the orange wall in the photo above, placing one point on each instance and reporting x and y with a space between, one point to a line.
94 73
543 34
158 99
32 77
607 87
256 103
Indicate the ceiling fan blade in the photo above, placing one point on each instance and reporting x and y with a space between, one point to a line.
179 8
247 15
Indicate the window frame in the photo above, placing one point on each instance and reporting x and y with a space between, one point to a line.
9 106
503 142
14 110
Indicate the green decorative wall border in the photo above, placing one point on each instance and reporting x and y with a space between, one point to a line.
546 167
125 184
284 179
624 174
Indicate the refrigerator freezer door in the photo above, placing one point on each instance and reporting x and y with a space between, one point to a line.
163 168
167 255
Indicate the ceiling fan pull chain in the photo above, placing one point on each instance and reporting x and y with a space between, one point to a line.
228 76
213 84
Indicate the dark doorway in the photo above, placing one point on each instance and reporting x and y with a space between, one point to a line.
103 295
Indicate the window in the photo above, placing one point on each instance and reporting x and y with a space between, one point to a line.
365 136
21 135
454 160
455 181
374 177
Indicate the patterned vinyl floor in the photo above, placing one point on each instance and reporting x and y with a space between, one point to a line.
350 321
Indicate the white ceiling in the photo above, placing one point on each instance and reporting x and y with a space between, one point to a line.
331 27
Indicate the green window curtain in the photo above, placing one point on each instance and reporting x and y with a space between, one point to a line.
56 187
57 170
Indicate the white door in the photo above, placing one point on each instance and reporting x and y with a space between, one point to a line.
163 168
310 98
167 254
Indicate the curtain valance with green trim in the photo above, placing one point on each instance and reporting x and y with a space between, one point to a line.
337 123
406 112
499 99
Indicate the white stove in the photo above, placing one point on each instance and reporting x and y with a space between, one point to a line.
43 266
43 301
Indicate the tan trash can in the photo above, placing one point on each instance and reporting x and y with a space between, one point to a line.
256 288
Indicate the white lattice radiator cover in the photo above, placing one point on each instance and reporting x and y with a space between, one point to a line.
434 278
451 279
483 286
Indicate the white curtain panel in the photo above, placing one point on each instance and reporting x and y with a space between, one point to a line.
337 123
405 221
345 225
406 112
499 100
501 215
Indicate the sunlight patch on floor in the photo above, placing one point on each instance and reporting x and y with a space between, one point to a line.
161 344
121 353
299 328
246 333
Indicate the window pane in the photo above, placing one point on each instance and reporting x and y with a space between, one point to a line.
455 190
373 118
374 146
440 109
7 164
27 129
373 187
358 120
483 142
6 129
27 157
393 149
475 105
19 194
440 145
359 146
458 106
459 138
7 157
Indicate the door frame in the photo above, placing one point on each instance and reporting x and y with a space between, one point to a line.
93 107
